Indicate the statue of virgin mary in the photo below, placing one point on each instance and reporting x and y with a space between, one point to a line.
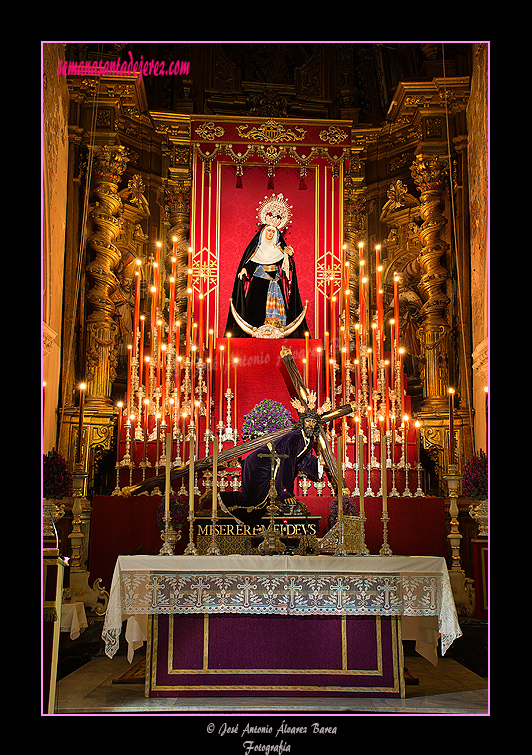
265 300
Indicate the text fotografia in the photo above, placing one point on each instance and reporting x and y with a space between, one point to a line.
123 68
250 746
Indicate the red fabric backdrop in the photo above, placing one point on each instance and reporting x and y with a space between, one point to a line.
123 526
238 225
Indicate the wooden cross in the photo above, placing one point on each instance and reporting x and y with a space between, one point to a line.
273 456
301 392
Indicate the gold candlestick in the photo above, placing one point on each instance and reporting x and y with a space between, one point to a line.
190 550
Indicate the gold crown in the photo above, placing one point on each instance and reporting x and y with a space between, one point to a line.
275 211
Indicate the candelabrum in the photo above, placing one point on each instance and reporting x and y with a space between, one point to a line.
453 478
169 536
385 548
340 549
419 492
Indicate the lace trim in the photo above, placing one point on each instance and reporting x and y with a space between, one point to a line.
288 594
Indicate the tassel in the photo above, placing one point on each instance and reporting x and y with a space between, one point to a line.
270 182
302 185
239 182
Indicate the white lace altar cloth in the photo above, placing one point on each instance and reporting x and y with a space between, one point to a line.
417 588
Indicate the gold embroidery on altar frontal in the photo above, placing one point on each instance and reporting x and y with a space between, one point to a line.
343 671
397 655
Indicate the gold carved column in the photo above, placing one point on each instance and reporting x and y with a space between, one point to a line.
430 175
101 352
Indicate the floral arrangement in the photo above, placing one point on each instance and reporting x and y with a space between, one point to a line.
350 508
475 477
178 511
264 418
57 477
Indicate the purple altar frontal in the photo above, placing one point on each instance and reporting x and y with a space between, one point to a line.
236 655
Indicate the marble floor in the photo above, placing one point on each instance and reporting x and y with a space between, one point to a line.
448 688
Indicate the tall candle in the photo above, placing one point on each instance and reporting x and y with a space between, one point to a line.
171 306
339 454
211 344
179 362
387 389
326 364
200 325
402 379
137 308
221 378
361 470
188 332
344 366
396 306
318 367
380 304
82 388
167 478
191 473
128 388
375 360
153 291
383 465
306 359
451 425
141 348
228 360
159 353
235 361
333 328
363 307
347 324
147 376
392 352
418 442
361 289
163 378
215 477
120 406
208 377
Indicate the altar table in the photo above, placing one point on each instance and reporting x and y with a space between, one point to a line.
313 625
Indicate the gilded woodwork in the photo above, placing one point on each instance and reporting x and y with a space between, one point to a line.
109 164
430 174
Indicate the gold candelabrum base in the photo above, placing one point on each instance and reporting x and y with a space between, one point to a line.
462 586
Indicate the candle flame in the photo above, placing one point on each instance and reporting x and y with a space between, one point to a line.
418 423
451 390
82 386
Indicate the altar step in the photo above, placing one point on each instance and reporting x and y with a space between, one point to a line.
448 688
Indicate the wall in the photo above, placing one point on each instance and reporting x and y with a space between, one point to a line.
55 168
478 164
